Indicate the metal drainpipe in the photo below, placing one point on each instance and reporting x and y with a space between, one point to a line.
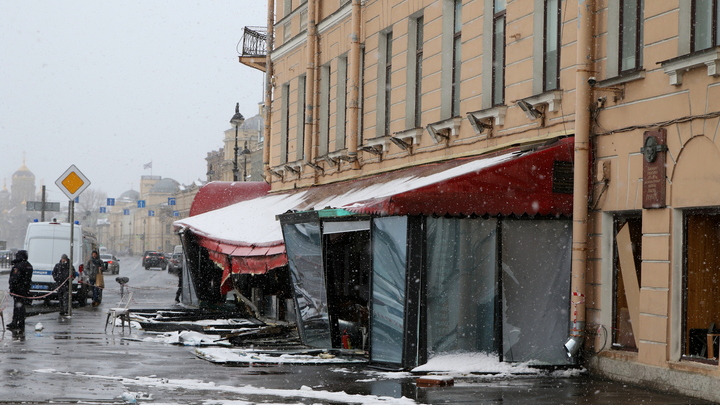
310 81
584 65
268 84
354 86
316 100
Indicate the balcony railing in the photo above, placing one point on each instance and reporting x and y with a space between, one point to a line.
253 42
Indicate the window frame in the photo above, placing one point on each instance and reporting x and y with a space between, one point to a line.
639 7
419 51
498 75
546 43
714 37
456 58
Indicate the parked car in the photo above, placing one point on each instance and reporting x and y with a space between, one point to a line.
175 264
112 264
154 259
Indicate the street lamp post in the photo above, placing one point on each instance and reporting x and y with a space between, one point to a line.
245 152
236 121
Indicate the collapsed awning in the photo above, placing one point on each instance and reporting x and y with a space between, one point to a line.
526 180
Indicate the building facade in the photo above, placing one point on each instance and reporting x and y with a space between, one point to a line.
362 88
142 220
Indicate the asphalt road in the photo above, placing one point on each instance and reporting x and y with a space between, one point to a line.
73 360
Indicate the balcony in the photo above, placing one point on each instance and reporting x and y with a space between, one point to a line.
252 47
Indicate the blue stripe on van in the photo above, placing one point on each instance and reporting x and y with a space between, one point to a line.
42 272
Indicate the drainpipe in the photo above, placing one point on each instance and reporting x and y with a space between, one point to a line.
583 93
269 73
310 81
354 85
316 98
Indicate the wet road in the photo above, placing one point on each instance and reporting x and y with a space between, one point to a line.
73 360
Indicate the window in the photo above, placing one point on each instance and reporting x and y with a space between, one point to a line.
457 57
301 118
341 101
287 7
701 282
498 53
704 32
284 122
385 83
630 35
626 281
324 114
551 71
414 72
361 98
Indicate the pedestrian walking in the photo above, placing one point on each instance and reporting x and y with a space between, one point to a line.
20 279
94 269
63 273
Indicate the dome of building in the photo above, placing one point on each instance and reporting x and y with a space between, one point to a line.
23 172
165 186
130 195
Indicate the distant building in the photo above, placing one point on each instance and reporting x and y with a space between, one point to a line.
132 228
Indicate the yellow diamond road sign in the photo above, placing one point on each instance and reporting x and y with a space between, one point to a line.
72 182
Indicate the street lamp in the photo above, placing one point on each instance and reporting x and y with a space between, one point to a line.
245 152
236 121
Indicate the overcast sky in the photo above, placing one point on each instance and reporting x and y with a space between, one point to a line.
112 85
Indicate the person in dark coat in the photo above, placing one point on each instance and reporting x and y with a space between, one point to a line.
20 279
62 275
93 267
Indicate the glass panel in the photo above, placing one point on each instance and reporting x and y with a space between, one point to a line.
500 5
536 290
457 16
304 252
702 308
457 60
629 35
388 289
702 27
461 280
499 62
552 40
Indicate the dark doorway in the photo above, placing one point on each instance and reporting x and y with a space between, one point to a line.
347 268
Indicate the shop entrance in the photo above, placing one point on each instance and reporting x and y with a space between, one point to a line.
347 269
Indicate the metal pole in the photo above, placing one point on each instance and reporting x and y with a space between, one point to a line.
42 210
245 149
72 250
235 157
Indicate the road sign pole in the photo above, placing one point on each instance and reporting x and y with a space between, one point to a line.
42 213
72 246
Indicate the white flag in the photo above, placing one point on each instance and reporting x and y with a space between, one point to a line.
148 165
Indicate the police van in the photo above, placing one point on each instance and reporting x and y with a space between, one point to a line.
45 243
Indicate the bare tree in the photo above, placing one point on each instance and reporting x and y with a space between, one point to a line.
90 202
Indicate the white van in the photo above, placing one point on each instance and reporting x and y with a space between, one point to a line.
45 243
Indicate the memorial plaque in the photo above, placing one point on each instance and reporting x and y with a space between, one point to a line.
654 171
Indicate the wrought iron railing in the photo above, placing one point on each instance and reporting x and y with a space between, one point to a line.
253 42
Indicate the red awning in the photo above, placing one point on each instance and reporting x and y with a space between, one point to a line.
218 194
525 184
526 180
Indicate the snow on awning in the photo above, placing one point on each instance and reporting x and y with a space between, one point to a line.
532 180
219 194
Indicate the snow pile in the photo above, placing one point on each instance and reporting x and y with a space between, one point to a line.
474 363
186 338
